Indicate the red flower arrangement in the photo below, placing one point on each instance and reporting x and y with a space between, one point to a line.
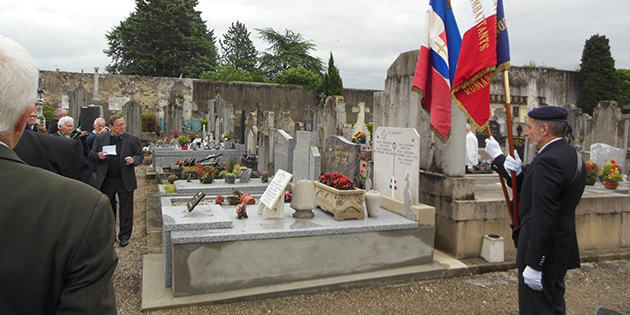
337 181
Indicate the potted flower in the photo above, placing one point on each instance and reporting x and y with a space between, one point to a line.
229 174
219 200
264 177
183 142
206 173
611 174
176 134
591 172
359 137
337 194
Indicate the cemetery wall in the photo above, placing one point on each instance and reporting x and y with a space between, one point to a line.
154 92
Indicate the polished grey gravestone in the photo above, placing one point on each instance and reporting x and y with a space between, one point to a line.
304 140
343 157
283 151
314 164
245 175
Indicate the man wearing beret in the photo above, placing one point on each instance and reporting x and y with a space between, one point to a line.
550 188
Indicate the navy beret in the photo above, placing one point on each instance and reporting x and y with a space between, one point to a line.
549 113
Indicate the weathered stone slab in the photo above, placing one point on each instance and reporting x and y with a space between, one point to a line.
315 164
396 154
304 140
343 157
602 153
283 151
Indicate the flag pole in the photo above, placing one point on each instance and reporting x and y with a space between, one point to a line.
503 187
508 114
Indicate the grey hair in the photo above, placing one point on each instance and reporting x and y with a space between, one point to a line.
97 119
18 82
556 128
64 120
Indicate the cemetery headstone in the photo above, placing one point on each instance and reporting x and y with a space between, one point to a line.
396 153
343 157
88 115
304 140
245 175
602 153
519 145
283 151
65 101
78 98
314 164
133 117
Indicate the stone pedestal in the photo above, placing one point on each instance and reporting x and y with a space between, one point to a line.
492 248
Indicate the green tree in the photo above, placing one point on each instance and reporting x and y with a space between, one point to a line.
238 50
597 76
331 82
290 50
624 87
228 73
164 38
299 76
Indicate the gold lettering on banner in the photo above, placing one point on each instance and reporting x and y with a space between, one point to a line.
482 25
477 85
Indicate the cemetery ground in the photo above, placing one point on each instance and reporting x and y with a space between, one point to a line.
605 283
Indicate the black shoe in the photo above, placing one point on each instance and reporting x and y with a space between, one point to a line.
124 243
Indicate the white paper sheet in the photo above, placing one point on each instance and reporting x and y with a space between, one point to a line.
109 149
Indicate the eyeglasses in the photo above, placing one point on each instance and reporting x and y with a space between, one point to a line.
33 116
119 125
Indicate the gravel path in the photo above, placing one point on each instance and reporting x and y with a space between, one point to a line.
606 284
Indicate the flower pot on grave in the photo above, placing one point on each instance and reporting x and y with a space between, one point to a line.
610 185
590 182
343 204
364 154
207 180
184 147
229 179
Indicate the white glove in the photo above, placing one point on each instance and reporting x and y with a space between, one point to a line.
513 164
533 278
493 148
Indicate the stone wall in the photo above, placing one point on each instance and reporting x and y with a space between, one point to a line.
154 92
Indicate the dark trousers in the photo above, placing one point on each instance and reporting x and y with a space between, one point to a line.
111 187
548 301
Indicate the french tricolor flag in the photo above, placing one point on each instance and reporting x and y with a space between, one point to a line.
484 52
437 61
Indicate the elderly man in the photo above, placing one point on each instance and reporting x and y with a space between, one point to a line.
115 173
56 254
58 113
99 127
550 188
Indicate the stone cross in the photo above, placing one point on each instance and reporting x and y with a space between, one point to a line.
95 99
361 110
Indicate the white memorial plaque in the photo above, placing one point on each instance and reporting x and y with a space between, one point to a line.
65 102
276 187
396 153
117 103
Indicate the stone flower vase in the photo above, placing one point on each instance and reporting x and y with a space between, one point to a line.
343 204
229 179
372 202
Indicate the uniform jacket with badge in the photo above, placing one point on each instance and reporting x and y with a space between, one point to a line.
548 195
130 147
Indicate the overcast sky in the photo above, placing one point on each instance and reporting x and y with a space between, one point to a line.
365 36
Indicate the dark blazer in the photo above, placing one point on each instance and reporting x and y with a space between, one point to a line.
547 241
130 147
52 127
57 252
57 154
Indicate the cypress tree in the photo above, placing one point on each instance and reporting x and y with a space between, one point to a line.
597 76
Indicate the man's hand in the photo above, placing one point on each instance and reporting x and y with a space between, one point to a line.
102 155
533 278
493 148
513 164
129 160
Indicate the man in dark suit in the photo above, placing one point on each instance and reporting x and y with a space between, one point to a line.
550 188
116 174
58 113
56 154
56 254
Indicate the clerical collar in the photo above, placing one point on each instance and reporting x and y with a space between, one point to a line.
116 137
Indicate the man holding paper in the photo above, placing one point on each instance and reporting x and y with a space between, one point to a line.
117 153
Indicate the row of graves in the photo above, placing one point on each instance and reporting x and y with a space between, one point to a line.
296 230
